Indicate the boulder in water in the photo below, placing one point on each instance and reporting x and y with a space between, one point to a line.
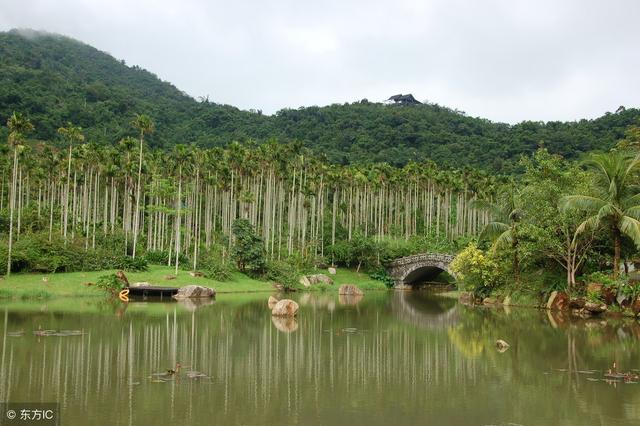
501 345
349 290
285 308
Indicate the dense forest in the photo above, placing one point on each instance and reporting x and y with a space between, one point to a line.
53 79
107 167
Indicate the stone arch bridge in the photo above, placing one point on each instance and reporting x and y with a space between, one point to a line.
408 270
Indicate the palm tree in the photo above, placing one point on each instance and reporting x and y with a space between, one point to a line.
144 124
615 202
502 228
72 134
18 127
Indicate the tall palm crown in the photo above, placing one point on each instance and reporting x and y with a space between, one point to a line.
18 127
615 202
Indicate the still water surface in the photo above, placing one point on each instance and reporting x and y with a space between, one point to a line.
400 358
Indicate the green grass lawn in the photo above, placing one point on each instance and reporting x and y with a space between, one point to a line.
42 286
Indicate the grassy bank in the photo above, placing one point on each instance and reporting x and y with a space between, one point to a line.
75 284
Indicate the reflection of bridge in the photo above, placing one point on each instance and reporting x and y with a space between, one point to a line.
420 267
425 310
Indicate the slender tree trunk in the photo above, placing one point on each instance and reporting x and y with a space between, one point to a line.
516 260
12 208
617 241
136 221
66 197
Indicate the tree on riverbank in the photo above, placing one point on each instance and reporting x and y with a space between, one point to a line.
548 231
614 202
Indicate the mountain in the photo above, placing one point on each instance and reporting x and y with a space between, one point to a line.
54 79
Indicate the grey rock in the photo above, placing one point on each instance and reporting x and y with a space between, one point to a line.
194 291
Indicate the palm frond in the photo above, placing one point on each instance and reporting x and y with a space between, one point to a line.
581 202
633 212
492 230
504 240
609 210
589 224
631 228
633 165
633 200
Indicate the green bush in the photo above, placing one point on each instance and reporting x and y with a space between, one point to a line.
283 273
477 271
381 274
606 280
248 250
35 253
110 283
127 263
157 257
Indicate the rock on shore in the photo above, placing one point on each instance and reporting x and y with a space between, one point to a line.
310 280
194 291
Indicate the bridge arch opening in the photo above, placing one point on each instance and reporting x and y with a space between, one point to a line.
426 275
410 271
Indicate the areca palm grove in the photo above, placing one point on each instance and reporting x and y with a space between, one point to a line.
186 200
18 127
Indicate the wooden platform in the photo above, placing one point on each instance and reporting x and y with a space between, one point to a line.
152 291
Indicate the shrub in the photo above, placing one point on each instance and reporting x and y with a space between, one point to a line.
283 273
214 268
381 274
110 283
157 257
248 250
606 280
127 263
35 253
476 270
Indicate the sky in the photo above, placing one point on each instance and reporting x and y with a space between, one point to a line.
508 60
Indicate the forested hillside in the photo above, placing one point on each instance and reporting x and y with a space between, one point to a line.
53 79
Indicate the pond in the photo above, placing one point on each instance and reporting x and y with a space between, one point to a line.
401 358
